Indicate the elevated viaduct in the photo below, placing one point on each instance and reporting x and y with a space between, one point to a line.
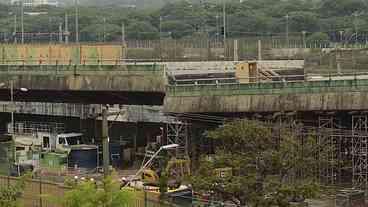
337 106
323 95
102 84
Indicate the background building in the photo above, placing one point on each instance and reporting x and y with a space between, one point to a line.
34 3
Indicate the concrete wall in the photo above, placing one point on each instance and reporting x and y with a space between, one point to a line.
148 78
281 64
268 103
346 94
35 54
205 65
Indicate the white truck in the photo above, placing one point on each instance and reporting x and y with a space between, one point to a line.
50 142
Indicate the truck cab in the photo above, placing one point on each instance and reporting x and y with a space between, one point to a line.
65 141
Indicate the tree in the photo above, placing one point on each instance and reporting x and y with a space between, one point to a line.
177 29
341 7
318 37
141 30
303 21
9 196
266 170
88 194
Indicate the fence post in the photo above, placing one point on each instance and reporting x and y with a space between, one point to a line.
40 191
145 197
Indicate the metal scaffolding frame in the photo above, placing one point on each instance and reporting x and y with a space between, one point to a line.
359 143
177 133
329 172
342 151
34 127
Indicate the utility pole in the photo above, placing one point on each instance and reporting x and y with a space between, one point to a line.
356 27
341 33
50 29
60 33
259 50
217 28
4 37
160 30
224 19
104 29
13 108
76 22
15 29
122 33
105 142
287 30
22 20
304 42
236 56
105 137
66 29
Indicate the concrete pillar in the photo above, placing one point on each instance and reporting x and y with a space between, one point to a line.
338 65
105 143
236 56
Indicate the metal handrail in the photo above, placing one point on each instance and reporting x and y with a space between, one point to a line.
276 79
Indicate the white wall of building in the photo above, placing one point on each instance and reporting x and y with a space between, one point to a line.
34 3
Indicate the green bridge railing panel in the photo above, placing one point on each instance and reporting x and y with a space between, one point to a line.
128 68
268 88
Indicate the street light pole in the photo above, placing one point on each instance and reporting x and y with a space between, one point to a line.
224 19
12 107
160 30
304 42
15 29
76 22
22 21
104 29
287 30
356 27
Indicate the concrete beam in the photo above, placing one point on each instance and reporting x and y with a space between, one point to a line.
86 111
140 78
268 103
322 95
98 84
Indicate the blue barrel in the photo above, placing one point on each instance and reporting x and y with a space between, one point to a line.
83 157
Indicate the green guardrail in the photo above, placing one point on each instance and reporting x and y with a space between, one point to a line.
266 88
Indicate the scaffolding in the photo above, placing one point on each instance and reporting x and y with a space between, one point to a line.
342 147
329 172
177 133
31 128
359 151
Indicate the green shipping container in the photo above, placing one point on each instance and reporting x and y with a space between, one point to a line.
53 161
6 157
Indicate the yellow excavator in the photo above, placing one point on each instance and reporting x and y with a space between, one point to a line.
150 181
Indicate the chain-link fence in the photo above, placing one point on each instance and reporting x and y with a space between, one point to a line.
271 48
40 193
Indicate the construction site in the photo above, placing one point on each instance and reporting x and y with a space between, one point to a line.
67 110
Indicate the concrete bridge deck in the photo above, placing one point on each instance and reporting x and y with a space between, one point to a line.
122 84
322 95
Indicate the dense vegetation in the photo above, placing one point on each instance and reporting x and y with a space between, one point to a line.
260 166
182 19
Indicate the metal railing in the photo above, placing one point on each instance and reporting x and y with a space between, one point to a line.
276 85
77 61
39 192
